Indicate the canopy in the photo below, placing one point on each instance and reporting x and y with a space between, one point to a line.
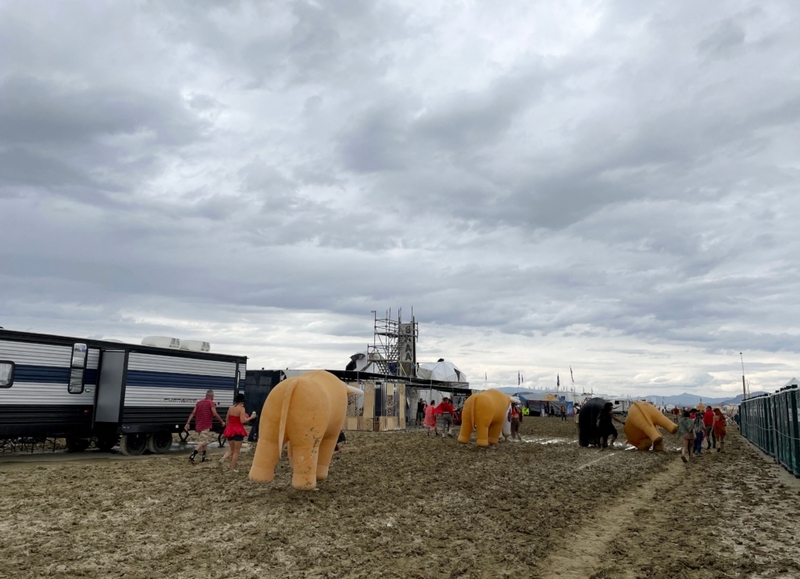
364 362
442 371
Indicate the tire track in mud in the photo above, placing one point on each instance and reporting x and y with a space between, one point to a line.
580 556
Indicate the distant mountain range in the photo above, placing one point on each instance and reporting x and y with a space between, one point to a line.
685 399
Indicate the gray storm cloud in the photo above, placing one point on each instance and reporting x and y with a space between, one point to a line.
609 186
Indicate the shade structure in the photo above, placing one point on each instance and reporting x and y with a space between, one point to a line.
442 371
364 362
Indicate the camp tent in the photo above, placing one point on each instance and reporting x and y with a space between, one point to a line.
442 371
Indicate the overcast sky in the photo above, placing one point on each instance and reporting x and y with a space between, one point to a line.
607 185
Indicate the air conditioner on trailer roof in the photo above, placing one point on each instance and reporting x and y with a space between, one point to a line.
195 345
162 342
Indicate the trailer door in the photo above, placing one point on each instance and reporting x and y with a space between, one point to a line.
110 386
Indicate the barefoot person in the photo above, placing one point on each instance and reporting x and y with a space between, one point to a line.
235 431
204 413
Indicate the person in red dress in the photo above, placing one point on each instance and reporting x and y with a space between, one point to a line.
235 432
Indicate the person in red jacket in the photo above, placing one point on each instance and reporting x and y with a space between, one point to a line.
708 424
447 411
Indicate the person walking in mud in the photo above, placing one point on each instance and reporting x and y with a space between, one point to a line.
576 410
686 434
234 432
720 429
605 426
516 417
204 413
699 433
430 418
708 426
420 412
563 413
447 411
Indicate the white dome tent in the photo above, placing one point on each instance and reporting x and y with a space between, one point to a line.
441 371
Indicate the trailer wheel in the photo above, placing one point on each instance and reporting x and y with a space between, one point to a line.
221 440
77 444
159 442
106 443
133 444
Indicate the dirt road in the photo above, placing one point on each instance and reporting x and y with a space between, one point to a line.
408 505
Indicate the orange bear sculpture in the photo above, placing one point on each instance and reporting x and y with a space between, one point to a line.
307 412
485 411
640 426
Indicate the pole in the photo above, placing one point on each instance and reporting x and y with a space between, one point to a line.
744 387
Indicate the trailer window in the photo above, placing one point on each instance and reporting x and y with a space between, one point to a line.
79 355
75 381
6 374
76 371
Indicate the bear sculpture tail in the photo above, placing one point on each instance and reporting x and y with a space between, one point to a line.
287 398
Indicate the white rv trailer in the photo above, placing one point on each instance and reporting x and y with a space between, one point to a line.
80 389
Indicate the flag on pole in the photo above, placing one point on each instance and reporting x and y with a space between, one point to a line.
558 381
523 378
485 376
570 375
519 379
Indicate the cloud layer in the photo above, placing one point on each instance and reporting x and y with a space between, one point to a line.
606 185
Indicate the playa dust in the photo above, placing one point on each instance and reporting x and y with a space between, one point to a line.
407 505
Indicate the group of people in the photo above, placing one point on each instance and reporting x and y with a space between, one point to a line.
694 426
427 415
204 413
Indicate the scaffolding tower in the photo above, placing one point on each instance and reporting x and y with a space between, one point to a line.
394 344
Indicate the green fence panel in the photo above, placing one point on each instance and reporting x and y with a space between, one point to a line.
772 423
794 423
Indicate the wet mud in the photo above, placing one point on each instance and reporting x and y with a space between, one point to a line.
408 505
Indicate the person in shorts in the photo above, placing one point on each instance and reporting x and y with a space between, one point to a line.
447 411
204 413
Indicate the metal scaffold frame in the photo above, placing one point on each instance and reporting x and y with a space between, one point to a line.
393 339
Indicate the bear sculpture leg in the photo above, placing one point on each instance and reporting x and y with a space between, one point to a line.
267 451
467 421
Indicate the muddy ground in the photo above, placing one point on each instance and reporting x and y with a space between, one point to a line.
408 505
